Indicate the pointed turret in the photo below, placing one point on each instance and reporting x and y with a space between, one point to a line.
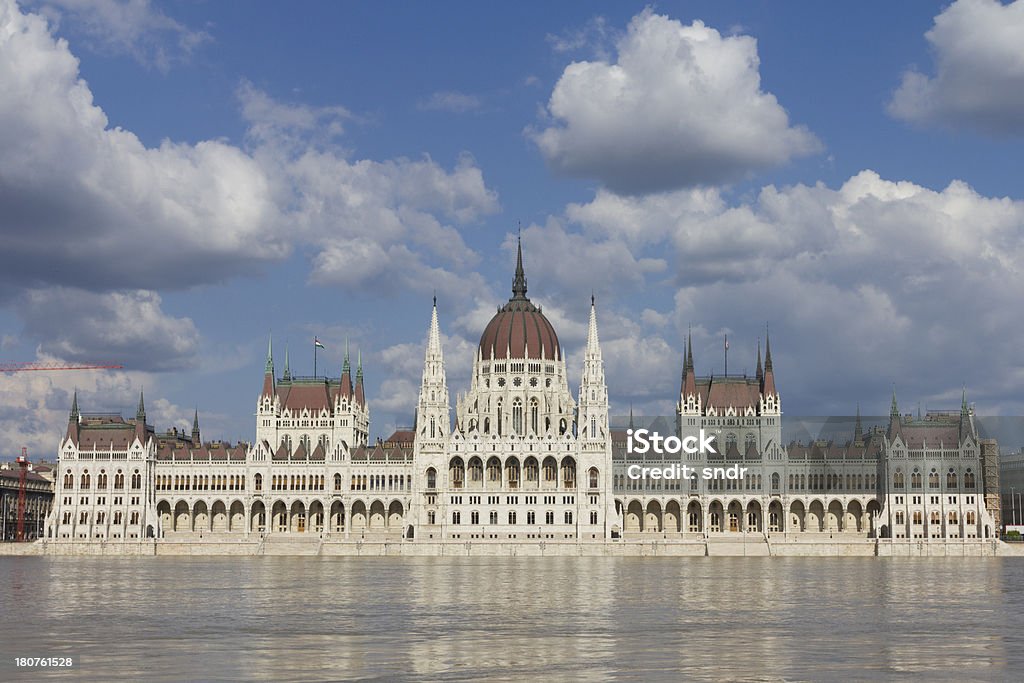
287 376
519 281
346 374
140 419
196 441
268 370
593 343
72 431
768 384
760 371
360 398
895 425
593 404
433 418
689 380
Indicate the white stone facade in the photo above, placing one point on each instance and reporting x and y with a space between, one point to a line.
524 461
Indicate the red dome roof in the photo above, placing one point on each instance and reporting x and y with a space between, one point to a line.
519 327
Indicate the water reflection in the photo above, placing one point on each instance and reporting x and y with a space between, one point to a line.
472 618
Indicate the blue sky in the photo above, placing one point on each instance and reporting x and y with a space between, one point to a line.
179 179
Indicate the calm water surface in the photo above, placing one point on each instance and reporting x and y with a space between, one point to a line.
387 619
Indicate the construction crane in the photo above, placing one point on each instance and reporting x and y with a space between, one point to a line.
22 460
56 365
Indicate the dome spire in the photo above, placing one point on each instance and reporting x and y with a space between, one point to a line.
519 283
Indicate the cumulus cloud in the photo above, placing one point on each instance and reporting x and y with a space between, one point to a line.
450 101
681 106
34 406
979 71
129 328
872 282
79 196
132 27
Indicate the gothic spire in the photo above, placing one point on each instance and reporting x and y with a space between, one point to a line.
269 368
760 371
196 441
287 371
858 430
434 338
519 282
768 383
74 408
593 343
141 412
894 409
358 395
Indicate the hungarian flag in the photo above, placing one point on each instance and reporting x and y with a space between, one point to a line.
317 344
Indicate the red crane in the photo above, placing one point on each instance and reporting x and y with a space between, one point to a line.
23 458
56 365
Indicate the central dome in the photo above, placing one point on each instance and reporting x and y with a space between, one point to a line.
519 329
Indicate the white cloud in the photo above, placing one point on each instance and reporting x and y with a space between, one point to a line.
681 106
270 120
128 328
34 406
450 101
77 193
874 282
979 78
132 27
80 196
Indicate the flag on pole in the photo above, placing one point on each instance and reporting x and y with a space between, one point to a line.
726 342
317 344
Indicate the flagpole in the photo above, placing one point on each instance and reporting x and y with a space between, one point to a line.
726 355
314 356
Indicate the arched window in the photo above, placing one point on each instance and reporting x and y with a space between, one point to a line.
968 479
897 479
750 442
775 481
119 480
433 428
258 482
730 441
951 479
499 417
530 469
550 469
456 472
593 477
337 481
493 470
86 479
431 478
915 479
933 479
476 470
69 480
568 473
101 480
136 480
534 416
517 416
593 426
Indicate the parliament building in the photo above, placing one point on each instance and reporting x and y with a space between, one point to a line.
523 459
